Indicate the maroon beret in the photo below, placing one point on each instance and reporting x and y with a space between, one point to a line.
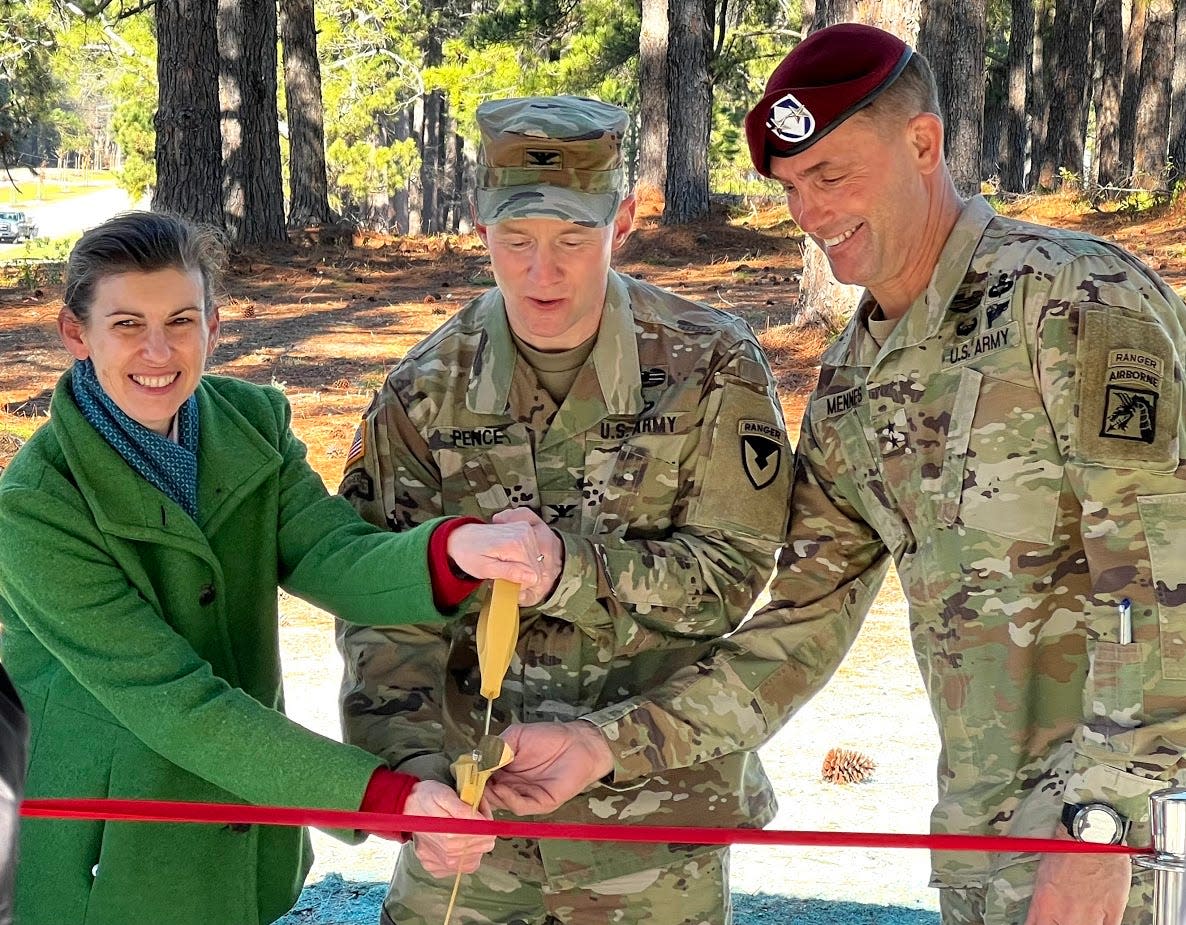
825 79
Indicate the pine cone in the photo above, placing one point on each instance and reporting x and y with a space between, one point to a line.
343 384
845 766
249 311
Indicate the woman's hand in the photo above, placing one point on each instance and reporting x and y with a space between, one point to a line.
444 855
498 550
551 552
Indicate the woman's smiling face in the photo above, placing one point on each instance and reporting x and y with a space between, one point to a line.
149 336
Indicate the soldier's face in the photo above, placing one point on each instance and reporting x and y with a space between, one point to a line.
149 339
553 275
864 193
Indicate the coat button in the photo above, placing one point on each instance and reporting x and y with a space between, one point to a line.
206 596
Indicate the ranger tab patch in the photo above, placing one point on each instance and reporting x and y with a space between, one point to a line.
761 451
1129 401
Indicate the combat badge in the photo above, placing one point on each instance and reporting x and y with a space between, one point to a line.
761 451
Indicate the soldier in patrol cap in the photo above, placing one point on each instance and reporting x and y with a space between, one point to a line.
640 434
1001 419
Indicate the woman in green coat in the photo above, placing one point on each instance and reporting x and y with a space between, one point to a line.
143 533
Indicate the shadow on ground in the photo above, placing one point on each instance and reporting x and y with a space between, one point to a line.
334 901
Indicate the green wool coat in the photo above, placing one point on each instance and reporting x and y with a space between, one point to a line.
144 645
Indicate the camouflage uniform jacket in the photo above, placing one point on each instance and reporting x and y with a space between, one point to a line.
666 474
1014 447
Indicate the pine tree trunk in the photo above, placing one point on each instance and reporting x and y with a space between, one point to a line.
1108 52
253 193
430 166
996 117
1153 103
652 98
401 198
689 113
1069 89
416 219
188 148
432 161
822 300
1021 45
308 190
1040 68
1134 45
1178 100
951 38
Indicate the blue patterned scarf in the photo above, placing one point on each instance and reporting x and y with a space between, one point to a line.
171 467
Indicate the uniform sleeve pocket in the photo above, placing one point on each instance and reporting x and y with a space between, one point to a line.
1115 690
746 479
1164 520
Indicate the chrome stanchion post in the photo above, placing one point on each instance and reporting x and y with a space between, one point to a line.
1167 814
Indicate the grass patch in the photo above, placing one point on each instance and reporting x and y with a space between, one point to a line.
24 190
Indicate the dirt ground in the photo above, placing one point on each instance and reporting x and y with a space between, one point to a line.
325 323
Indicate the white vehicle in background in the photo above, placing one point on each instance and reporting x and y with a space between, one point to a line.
16 225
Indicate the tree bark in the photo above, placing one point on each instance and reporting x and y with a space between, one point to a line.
996 117
1134 45
188 148
1039 102
652 98
416 202
951 37
689 112
1178 100
1108 52
1151 147
1021 46
308 189
253 193
1069 89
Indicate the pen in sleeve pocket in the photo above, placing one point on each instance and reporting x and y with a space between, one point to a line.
1125 608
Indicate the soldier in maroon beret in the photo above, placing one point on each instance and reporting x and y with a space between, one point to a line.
1001 419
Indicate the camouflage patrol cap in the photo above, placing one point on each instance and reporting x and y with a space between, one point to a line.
550 157
827 77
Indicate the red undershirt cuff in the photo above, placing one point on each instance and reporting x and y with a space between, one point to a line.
450 585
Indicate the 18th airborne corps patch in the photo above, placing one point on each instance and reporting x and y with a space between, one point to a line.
1127 394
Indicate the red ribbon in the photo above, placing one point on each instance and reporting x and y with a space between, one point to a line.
231 814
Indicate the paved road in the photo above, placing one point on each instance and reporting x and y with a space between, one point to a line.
69 216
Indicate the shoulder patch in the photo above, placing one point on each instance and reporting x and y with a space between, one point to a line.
1129 402
358 448
761 451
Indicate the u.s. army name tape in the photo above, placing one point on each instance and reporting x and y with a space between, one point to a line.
234 814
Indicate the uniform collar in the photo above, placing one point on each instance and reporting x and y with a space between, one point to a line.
924 316
614 357
856 346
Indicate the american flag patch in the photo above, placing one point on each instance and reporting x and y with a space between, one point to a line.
358 448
